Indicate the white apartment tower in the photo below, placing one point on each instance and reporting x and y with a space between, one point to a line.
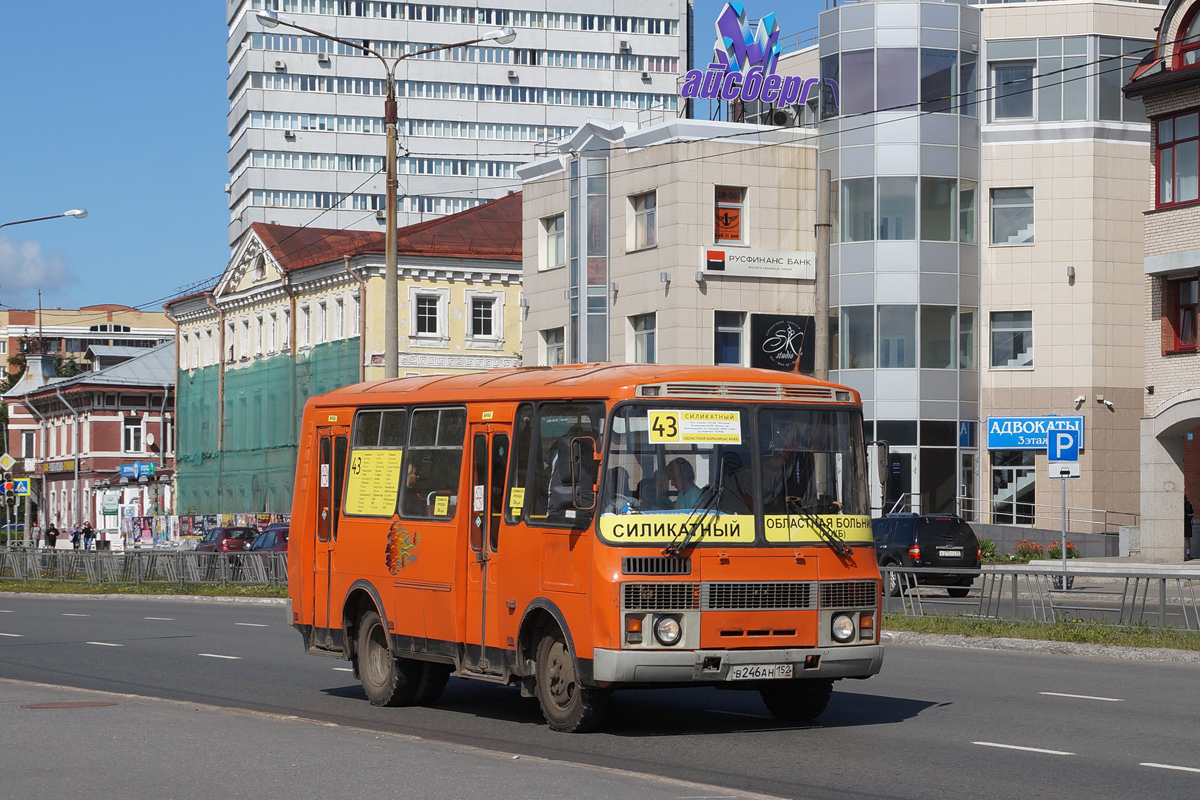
306 132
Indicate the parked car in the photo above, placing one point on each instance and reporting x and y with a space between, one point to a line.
931 540
272 540
227 540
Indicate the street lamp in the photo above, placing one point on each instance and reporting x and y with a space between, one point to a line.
391 310
78 213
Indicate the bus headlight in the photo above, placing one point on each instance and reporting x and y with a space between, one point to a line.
667 630
842 628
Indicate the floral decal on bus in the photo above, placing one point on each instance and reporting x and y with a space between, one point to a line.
401 547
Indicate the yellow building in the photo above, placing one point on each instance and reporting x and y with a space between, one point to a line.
300 311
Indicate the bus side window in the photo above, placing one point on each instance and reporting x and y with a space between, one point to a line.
499 465
516 500
434 453
339 479
558 425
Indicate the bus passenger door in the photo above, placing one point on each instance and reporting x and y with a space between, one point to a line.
332 444
489 466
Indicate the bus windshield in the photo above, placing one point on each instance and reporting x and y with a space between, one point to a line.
722 468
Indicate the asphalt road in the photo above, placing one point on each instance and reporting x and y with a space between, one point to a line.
937 723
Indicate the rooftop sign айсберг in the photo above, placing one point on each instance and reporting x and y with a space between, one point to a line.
743 66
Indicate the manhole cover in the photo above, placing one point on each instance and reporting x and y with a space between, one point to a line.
68 705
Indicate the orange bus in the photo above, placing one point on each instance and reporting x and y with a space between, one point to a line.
575 530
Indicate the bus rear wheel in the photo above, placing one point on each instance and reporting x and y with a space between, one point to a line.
567 704
386 680
797 700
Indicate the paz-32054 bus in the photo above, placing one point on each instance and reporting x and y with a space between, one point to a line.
575 530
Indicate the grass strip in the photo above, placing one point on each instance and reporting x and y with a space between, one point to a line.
1080 632
186 590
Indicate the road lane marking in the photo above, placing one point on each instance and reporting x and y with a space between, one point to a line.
1026 749
214 655
1168 766
1084 697
343 669
105 644
252 624
13 635
76 615
6 611
161 619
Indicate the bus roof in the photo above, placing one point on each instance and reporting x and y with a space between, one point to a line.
593 380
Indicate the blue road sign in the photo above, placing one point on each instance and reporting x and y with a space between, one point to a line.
1063 445
21 486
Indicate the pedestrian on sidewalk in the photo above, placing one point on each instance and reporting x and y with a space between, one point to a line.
1189 513
51 536
89 536
76 535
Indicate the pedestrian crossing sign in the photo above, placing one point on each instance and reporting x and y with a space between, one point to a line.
21 486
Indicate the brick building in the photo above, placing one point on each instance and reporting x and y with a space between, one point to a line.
69 332
1168 83
68 434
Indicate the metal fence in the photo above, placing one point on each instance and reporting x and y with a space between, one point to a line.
148 567
1129 595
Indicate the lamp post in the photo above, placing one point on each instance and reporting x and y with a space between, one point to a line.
391 328
78 213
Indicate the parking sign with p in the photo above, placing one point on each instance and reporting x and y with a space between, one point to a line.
1063 446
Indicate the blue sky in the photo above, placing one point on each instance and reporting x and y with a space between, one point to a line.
119 107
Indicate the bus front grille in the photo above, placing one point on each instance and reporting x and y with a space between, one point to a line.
848 594
662 596
749 596
656 565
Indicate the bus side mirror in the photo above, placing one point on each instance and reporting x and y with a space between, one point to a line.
583 472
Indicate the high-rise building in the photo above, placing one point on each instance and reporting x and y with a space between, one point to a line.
306 130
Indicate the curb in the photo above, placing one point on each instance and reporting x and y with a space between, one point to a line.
1160 654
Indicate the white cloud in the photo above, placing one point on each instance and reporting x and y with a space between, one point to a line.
24 268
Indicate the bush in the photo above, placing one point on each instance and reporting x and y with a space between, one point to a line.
1055 550
987 549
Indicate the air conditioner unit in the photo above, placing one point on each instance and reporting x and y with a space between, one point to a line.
322 58
512 73
289 134
624 46
782 117
645 75
280 65
381 214
228 187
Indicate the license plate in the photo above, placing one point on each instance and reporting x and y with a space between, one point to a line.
950 553
758 672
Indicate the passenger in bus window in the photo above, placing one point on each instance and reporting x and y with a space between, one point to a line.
558 491
652 493
620 498
682 476
414 504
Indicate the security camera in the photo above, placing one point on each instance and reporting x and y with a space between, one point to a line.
1079 400
1109 405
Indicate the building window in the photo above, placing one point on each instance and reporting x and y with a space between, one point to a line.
967 191
554 347
858 210
937 209
482 311
1012 216
554 242
1188 51
897 337
644 349
1179 306
898 80
259 347
857 332
230 341
3 347
938 332
133 435
1118 59
304 328
322 328
427 316
730 210
966 338
645 221
897 208
27 443
1178 159
1012 83
1013 483
1012 339
339 318
939 80
727 340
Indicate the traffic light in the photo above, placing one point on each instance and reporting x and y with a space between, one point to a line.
6 477
10 499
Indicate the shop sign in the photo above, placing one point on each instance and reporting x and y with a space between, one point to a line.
1029 433
138 469
743 66
58 466
745 262
778 341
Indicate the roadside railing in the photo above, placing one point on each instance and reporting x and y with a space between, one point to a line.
1043 515
1128 596
143 567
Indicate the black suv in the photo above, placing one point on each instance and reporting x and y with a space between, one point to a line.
932 540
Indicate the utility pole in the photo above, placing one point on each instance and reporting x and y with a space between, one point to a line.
821 323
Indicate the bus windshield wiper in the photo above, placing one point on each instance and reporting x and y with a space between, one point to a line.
708 504
796 506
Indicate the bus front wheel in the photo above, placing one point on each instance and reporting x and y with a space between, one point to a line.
387 680
797 700
567 705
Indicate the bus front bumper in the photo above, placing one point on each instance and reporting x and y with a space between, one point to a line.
713 666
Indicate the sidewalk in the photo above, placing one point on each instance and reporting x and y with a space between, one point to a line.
68 744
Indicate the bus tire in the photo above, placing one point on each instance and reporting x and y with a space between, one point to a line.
431 683
567 704
797 700
386 680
